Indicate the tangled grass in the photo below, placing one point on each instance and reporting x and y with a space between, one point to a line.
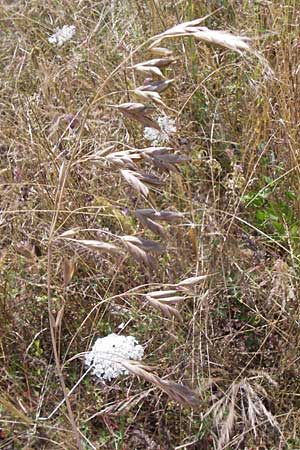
192 247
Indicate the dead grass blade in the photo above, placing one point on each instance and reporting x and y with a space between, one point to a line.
3 254
241 402
61 176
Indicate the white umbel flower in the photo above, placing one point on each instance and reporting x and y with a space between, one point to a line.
62 35
108 351
157 137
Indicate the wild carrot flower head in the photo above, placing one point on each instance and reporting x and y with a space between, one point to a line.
107 353
62 35
156 137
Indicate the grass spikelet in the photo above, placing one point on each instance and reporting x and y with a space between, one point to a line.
97 246
138 111
156 86
177 392
192 281
139 180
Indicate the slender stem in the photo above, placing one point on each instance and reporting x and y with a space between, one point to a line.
58 200
55 352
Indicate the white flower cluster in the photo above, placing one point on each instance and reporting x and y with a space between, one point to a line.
108 351
62 35
157 137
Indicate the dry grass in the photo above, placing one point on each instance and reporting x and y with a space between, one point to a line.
192 247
